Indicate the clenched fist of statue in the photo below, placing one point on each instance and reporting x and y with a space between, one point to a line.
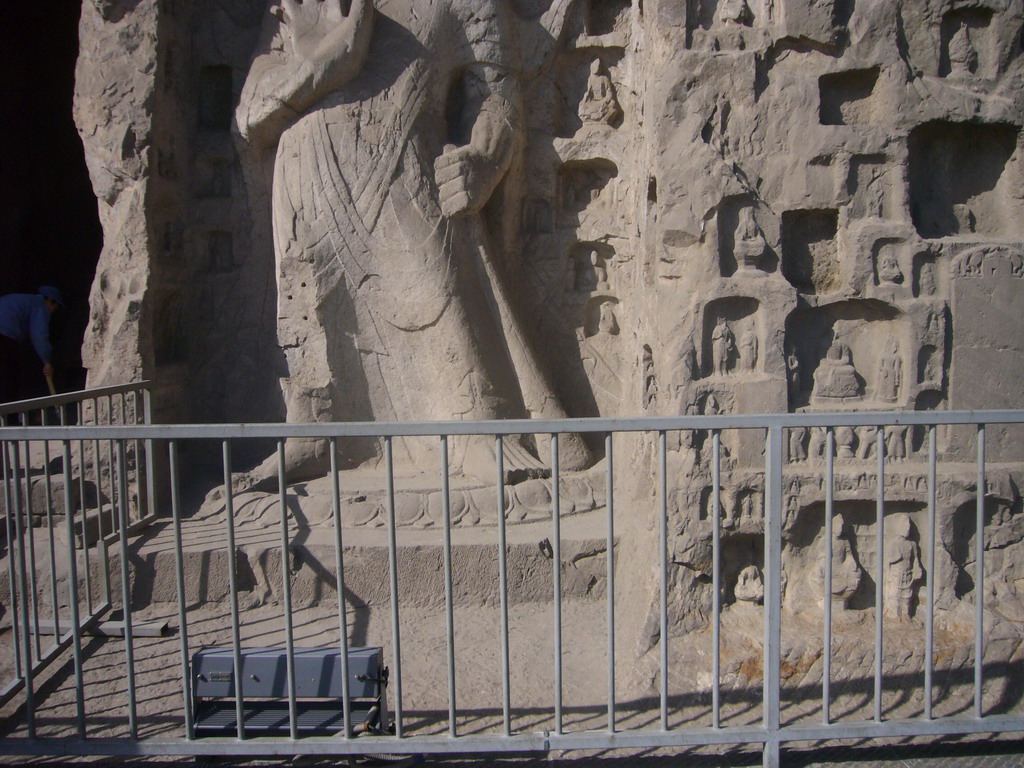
461 174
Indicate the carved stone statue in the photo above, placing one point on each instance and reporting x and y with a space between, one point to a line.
793 372
903 571
890 374
735 12
798 443
748 349
963 59
723 347
846 571
845 439
650 383
835 376
389 297
749 585
599 104
749 243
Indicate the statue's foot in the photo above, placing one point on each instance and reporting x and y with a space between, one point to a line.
304 459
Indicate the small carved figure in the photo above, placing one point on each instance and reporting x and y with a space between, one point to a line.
835 376
903 571
866 437
896 443
723 347
606 322
599 104
711 406
888 266
845 438
965 221
926 278
589 273
793 371
846 571
749 585
890 374
735 12
798 443
650 384
816 447
748 349
963 59
749 244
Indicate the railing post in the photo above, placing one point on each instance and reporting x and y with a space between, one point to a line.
773 593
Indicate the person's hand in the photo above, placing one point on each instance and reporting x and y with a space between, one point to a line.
48 370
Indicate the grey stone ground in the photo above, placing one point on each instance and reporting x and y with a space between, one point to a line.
983 753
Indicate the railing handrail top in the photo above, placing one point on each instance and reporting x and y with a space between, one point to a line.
513 426
39 403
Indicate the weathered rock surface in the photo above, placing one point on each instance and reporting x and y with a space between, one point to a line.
587 208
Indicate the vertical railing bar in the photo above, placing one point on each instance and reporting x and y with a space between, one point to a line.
716 578
449 595
76 629
50 533
286 588
826 674
179 584
147 418
98 475
339 575
10 491
236 638
126 599
18 551
33 593
110 459
85 512
929 627
136 418
396 636
499 456
879 569
663 568
979 577
772 594
610 495
556 557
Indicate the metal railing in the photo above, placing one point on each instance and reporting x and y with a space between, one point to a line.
621 728
93 486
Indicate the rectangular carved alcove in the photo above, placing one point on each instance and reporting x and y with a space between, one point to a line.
960 182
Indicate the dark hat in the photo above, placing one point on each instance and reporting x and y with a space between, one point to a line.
51 293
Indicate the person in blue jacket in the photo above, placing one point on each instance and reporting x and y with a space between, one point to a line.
24 321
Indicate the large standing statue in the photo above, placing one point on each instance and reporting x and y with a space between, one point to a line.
393 128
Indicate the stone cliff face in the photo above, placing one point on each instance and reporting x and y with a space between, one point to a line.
703 206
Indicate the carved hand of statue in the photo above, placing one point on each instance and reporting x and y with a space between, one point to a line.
329 46
307 23
456 172
326 49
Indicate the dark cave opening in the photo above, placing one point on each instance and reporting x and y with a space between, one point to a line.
49 224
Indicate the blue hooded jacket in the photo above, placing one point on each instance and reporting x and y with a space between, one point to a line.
25 317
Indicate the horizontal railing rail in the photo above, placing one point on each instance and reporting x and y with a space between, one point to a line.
66 398
516 426
773 462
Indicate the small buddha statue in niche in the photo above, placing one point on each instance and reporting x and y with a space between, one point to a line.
749 244
735 12
599 104
963 59
835 376
890 374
